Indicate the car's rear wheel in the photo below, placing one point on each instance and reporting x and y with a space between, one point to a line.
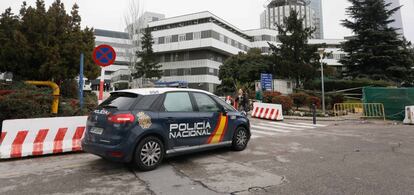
149 153
240 139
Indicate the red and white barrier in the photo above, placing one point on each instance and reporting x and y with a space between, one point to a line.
267 111
34 137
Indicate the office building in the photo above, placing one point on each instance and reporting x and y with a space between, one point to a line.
192 47
277 10
316 6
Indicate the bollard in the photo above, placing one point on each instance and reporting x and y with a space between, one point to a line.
314 113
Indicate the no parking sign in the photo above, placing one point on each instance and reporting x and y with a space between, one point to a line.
104 55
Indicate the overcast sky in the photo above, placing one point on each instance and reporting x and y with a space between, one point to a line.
245 14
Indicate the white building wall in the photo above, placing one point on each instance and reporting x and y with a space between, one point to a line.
198 42
191 64
193 79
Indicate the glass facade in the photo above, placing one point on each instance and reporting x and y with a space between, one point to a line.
311 11
316 6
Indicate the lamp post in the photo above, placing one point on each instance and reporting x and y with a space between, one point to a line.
321 52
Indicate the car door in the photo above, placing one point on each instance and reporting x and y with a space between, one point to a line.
179 116
209 110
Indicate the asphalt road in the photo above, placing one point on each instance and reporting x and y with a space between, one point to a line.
282 158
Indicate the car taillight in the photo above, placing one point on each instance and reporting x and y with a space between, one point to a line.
121 118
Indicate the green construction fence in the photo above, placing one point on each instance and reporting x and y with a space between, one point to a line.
394 99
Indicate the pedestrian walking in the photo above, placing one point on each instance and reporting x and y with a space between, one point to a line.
239 102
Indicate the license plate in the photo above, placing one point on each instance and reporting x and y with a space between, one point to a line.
96 130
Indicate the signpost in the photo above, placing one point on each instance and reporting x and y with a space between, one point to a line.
103 56
81 82
266 81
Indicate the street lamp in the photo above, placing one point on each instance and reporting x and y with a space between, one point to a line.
321 52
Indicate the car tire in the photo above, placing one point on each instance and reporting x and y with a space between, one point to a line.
149 154
240 139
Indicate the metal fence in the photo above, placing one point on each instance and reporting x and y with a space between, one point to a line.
360 110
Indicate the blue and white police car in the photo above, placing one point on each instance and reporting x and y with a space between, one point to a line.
143 126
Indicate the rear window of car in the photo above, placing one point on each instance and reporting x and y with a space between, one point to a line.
145 102
120 101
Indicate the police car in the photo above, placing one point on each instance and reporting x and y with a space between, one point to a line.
143 126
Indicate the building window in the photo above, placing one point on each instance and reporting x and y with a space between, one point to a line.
233 43
186 55
174 38
189 36
162 58
180 72
198 71
173 72
240 46
181 37
215 35
187 71
109 72
168 39
167 73
206 34
197 35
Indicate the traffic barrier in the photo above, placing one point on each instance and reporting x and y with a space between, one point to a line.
359 110
409 115
40 136
267 111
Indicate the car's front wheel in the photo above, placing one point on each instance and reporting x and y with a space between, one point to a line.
149 153
240 139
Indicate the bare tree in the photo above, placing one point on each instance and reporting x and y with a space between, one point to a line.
134 23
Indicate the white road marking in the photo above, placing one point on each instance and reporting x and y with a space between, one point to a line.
291 125
254 136
270 129
263 133
279 127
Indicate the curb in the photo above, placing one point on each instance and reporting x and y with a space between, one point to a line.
310 118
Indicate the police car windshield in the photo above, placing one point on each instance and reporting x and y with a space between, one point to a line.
120 101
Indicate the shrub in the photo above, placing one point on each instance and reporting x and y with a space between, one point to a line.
300 99
71 107
28 102
69 89
268 96
314 100
285 101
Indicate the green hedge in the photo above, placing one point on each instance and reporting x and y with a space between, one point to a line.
20 101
